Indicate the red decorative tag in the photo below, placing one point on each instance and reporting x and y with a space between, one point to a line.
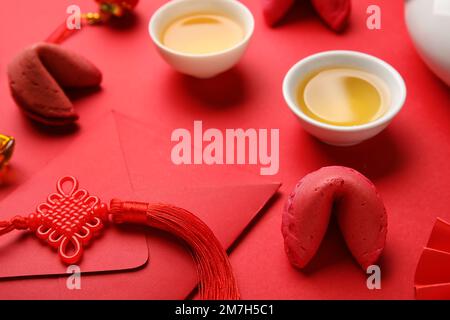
68 219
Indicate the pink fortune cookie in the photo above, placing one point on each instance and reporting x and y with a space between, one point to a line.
37 76
349 195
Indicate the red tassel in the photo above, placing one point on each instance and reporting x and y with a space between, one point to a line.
216 279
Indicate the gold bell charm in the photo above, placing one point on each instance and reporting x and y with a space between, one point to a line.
6 149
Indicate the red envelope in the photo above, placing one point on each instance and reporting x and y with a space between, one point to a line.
129 160
432 278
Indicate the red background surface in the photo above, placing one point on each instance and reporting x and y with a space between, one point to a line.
408 162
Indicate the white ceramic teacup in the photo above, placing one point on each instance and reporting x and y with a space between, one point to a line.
344 135
201 65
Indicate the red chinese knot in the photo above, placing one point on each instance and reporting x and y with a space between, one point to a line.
68 219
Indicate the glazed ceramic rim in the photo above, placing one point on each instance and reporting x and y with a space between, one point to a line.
393 110
240 6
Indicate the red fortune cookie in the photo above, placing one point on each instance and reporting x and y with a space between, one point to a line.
334 13
38 75
350 196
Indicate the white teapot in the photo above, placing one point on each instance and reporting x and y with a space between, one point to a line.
428 22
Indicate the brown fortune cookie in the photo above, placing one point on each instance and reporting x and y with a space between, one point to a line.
38 76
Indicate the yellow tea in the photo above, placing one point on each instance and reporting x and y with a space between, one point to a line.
202 33
343 96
